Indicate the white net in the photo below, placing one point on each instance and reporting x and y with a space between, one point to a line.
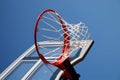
78 32
51 33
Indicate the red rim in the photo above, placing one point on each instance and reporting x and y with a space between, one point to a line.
66 40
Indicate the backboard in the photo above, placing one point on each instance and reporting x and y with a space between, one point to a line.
29 67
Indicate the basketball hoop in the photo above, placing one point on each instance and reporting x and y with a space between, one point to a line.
51 28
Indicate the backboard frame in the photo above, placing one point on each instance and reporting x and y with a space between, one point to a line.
16 63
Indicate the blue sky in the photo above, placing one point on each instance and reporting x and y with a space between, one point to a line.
17 20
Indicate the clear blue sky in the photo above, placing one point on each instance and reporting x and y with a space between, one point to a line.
17 20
